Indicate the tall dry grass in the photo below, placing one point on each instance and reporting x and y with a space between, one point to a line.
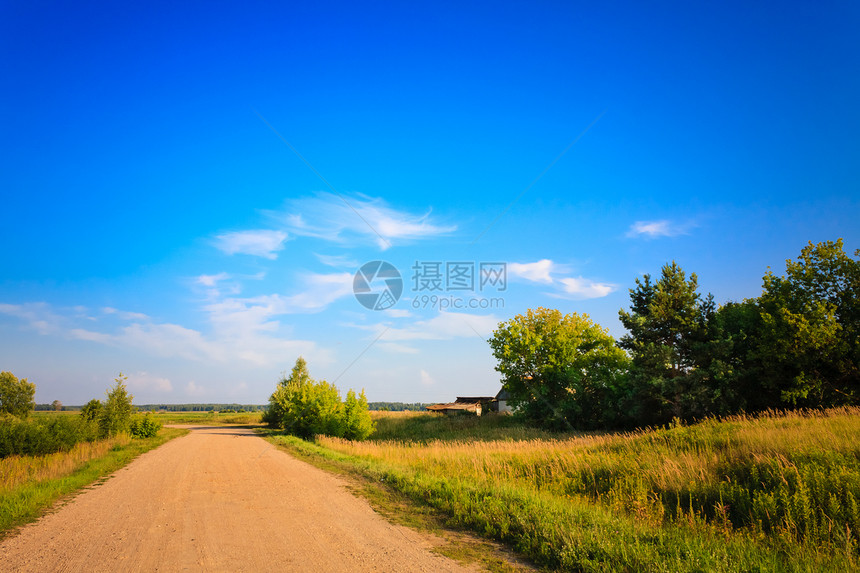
790 480
19 470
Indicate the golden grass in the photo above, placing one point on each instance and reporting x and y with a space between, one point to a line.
19 470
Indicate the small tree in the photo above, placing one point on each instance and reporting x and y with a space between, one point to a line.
116 413
305 407
16 396
91 410
358 425
57 406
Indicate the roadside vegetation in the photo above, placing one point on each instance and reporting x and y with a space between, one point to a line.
30 485
776 492
795 346
48 455
305 407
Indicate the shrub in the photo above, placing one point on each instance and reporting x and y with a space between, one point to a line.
144 426
91 410
305 408
44 435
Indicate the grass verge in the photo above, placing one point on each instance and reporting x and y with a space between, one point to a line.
454 542
31 485
772 493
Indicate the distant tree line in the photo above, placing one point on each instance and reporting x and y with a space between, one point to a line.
398 406
202 407
795 346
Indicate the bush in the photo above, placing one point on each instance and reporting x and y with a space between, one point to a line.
43 435
305 408
144 426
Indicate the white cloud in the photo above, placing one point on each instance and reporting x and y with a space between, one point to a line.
124 315
397 348
426 379
146 381
338 261
661 228
536 272
328 216
194 389
260 243
443 326
38 315
212 280
569 287
581 288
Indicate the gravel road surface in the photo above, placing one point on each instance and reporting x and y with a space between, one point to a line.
218 499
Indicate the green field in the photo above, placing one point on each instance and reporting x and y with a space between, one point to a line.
777 492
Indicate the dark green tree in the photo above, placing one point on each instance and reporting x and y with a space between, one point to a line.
669 334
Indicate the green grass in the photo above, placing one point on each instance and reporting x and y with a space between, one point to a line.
208 417
773 493
31 485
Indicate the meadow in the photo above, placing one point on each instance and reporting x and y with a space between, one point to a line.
776 492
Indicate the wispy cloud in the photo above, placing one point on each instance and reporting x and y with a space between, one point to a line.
326 216
426 379
38 316
661 228
260 243
443 326
545 271
581 288
338 261
539 271
143 381
244 330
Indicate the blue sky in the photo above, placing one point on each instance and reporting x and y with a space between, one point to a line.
158 221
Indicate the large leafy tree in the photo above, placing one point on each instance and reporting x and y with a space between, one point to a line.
669 331
16 396
561 370
808 350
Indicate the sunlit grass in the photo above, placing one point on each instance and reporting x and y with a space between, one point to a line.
775 492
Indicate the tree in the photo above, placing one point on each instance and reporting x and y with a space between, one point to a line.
280 399
91 410
16 396
305 407
115 415
57 405
358 425
808 350
561 371
669 328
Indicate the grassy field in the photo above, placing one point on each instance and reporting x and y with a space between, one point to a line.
29 485
208 417
777 492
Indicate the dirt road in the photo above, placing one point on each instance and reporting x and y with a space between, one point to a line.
218 499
